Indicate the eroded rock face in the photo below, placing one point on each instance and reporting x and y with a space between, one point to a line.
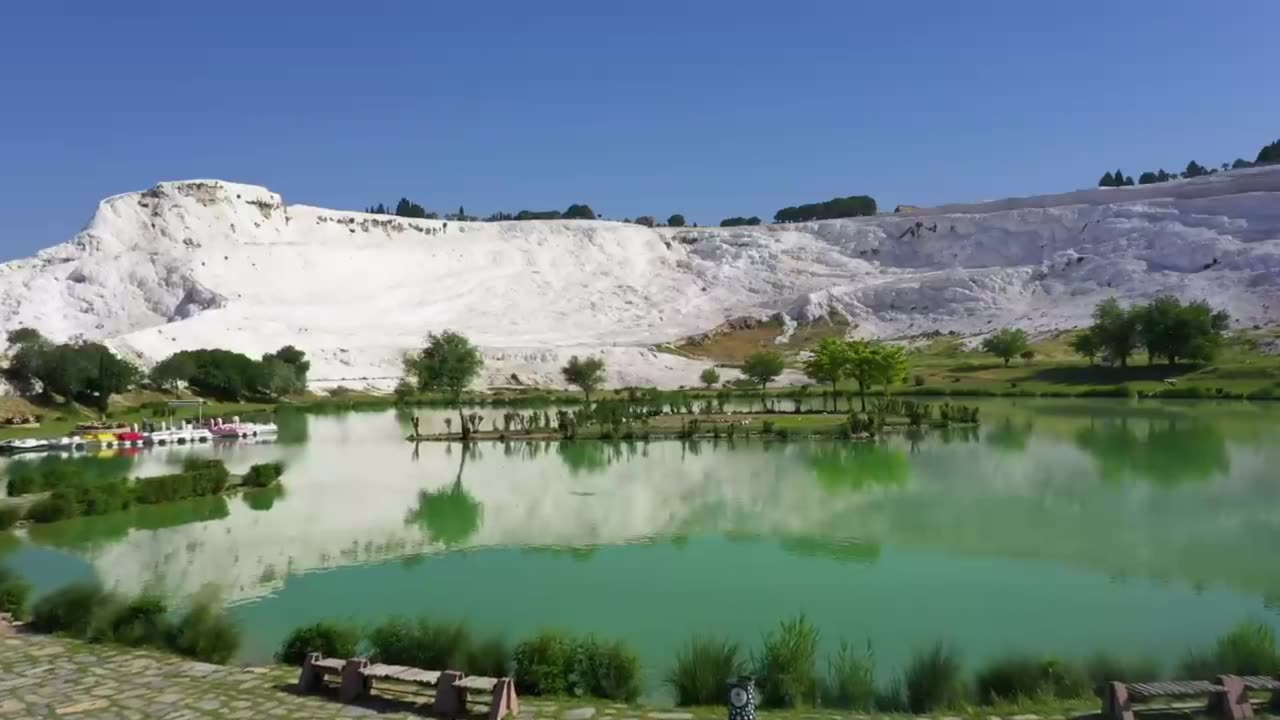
213 264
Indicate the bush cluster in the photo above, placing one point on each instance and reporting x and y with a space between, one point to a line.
90 613
83 498
263 474
14 592
553 663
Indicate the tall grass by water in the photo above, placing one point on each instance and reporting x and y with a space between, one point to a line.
701 668
90 613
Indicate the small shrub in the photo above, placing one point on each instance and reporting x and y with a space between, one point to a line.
543 664
701 670
932 680
8 518
327 638
850 682
607 670
490 657
138 622
1010 679
69 609
785 667
1249 649
14 592
419 643
205 633
1103 668
263 474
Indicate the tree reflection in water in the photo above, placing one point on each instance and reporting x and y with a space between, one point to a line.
450 515
858 465
1171 452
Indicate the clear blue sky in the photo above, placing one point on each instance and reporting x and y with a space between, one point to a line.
710 108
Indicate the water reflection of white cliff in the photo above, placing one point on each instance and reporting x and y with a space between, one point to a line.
356 494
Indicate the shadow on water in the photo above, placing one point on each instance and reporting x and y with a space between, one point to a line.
1170 452
450 516
845 551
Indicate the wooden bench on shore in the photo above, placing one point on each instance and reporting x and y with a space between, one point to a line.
452 688
1228 696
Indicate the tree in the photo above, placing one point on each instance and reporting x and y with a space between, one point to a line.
1175 331
676 220
1194 169
108 374
869 363
1148 178
827 363
1269 153
710 377
1006 343
1242 163
1027 355
286 371
646 220
1086 345
852 206
448 364
173 371
406 208
1128 180
1108 180
579 212
1116 330
763 366
25 336
586 374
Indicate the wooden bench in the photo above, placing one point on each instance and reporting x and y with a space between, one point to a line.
452 688
1228 697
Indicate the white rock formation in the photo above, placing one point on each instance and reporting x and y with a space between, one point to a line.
215 264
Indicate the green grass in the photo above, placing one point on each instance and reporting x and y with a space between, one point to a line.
701 668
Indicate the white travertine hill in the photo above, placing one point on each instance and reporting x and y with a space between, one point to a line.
208 263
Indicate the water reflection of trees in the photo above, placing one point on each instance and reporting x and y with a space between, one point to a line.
1008 435
588 456
1172 451
449 515
855 466
262 499
100 530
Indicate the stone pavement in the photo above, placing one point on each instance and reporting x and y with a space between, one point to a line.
44 676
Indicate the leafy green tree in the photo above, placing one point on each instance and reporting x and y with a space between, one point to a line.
676 220
827 364
852 206
586 374
1148 178
1194 169
1175 331
579 212
448 364
1116 330
286 371
25 336
173 371
109 376
870 363
1006 343
1108 180
763 366
1269 153
1086 345
710 377
1242 163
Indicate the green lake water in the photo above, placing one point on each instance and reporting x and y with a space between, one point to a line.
1060 526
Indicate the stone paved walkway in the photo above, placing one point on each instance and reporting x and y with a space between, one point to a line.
44 676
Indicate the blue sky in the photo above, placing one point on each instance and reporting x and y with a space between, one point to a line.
710 108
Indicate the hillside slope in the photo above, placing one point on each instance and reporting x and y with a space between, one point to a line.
216 264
